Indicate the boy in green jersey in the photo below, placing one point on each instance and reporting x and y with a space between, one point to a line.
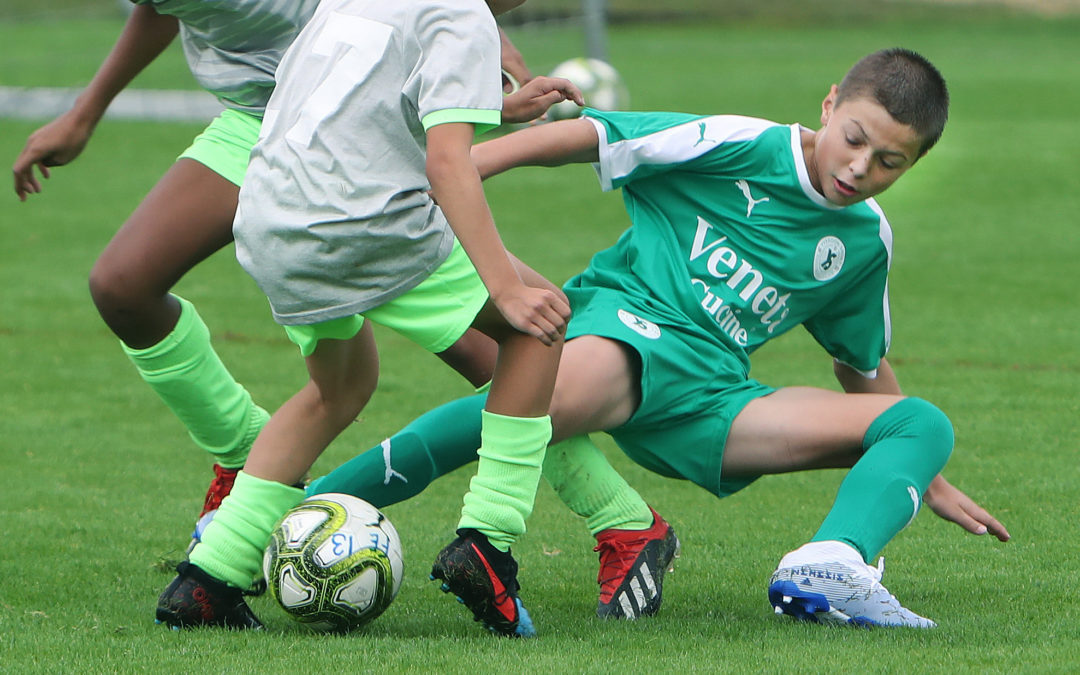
742 229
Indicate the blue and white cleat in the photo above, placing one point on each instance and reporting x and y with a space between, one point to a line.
828 582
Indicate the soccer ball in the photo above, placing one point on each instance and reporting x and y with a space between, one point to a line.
600 85
334 562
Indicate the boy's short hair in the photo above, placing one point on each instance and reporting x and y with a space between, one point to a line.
905 84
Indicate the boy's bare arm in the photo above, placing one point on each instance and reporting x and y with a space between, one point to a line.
552 144
146 34
456 186
944 499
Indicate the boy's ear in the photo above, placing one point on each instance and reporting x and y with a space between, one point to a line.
828 105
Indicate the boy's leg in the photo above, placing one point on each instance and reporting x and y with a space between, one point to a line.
400 467
343 374
901 445
635 544
185 218
515 431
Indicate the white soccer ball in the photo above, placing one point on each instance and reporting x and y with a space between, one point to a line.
334 562
600 84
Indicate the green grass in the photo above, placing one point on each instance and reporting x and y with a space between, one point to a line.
100 483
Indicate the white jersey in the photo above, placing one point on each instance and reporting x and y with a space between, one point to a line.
334 215
233 47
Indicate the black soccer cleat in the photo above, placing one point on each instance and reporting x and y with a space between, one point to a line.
485 580
194 598
632 568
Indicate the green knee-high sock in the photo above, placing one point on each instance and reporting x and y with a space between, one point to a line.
187 374
232 545
433 445
501 494
905 447
582 477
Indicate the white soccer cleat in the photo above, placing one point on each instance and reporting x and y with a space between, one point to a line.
828 582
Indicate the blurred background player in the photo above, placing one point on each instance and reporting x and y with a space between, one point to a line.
374 106
742 230
233 48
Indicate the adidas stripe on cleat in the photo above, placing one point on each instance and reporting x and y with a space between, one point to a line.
632 568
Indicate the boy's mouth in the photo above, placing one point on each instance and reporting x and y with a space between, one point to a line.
843 188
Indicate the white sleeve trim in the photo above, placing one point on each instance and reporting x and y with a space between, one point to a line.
868 374
602 167
674 145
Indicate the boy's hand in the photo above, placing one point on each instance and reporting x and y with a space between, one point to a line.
54 144
955 506
535 97
536 311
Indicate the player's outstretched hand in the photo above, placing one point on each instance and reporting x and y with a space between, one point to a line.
536 96
955 506
54 144
536 311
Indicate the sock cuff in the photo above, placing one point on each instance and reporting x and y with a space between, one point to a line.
266 497
188 323
909 418
521 431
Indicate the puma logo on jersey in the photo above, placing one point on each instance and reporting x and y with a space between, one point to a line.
390 473
750 201
701 138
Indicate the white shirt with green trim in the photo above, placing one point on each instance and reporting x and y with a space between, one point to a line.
233 47
334 215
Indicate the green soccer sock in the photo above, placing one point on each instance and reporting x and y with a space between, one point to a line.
905 447
433 445
187 374
231 548
501 494
585 481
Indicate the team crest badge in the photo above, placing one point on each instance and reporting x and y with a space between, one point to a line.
828 258
642 327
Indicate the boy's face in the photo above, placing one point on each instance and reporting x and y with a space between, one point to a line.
860 150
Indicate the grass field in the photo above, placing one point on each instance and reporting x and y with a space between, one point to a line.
100 484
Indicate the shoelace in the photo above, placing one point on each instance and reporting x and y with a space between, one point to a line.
616 557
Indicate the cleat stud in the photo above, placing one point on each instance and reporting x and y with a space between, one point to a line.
787 599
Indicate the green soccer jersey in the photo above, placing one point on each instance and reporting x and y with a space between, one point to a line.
729 236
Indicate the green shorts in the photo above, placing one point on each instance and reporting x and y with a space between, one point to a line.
225 145
691 389
434 314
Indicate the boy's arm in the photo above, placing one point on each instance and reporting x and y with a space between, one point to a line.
455 184
552 144
146 34
943 498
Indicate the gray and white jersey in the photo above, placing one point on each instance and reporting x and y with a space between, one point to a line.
233 47
334 216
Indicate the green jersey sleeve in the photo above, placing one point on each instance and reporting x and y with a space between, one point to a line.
634 145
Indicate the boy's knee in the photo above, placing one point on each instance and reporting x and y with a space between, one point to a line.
918 419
